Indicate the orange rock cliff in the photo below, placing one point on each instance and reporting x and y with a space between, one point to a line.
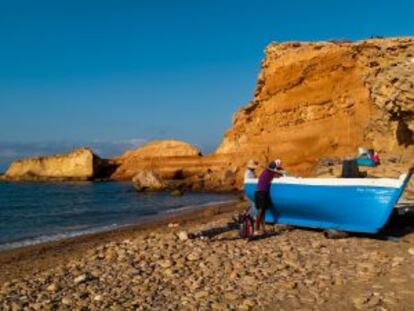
315 100
324 99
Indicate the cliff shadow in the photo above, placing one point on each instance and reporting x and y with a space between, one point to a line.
404 134
104 168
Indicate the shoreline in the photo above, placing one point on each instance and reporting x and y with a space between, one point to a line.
64 235
44 254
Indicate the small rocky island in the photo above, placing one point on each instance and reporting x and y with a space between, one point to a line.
79 165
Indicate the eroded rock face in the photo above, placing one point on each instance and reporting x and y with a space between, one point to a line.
81 164
390 79
317 99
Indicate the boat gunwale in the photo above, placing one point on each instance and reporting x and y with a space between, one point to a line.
338 182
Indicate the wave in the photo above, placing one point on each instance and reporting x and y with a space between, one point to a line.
55 237
145 217
197 206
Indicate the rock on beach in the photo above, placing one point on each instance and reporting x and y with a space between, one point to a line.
290 269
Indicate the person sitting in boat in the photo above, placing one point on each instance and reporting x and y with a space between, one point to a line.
373 155
367 157
250 173
262 195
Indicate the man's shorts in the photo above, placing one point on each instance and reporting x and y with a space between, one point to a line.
262 200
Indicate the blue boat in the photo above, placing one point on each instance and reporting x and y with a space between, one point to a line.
345 204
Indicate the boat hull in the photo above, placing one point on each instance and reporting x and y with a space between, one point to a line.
348 207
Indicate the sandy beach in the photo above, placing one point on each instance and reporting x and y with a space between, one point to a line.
154 266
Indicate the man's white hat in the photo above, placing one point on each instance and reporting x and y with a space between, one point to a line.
252 164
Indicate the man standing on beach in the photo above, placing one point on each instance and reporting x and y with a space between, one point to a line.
262 195
250 173
252 165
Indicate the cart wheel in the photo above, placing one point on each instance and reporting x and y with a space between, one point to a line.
335 234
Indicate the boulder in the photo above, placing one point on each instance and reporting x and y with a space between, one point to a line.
176 192
148 181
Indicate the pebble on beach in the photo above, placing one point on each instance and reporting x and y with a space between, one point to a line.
183 235
290 269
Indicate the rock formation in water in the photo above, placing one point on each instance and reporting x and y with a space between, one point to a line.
179 166
80 164
148 181
325 99
167 157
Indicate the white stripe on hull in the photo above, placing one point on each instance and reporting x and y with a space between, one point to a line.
368 182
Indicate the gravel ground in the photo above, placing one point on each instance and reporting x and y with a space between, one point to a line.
287 269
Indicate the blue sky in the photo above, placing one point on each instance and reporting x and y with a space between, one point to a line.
114 73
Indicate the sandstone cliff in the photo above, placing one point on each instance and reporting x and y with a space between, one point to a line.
324 99
168 157
81 164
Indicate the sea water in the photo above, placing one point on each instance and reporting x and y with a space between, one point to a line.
32 213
